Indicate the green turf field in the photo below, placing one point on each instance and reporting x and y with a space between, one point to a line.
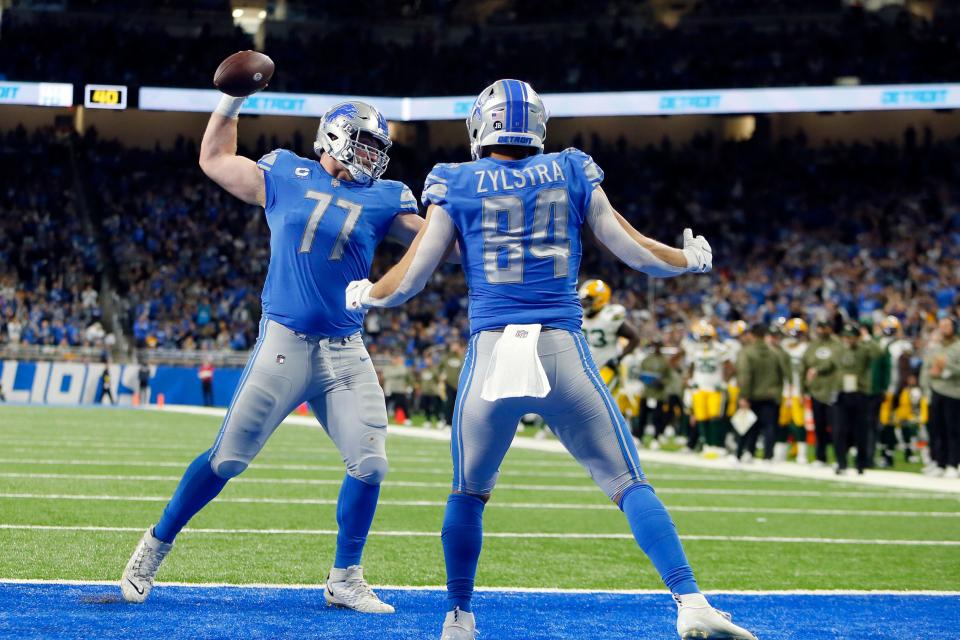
115 469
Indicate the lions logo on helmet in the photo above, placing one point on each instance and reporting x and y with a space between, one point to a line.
508 112
339 135
796 327
594 296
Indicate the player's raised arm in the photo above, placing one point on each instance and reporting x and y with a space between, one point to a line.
643 253
407 278
238 76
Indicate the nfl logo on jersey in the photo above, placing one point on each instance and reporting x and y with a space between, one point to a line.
522 333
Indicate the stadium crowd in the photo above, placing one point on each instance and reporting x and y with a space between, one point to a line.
50 264
637 54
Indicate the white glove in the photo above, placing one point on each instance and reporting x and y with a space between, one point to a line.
698 253
358 295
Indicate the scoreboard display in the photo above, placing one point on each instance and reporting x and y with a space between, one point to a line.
105 96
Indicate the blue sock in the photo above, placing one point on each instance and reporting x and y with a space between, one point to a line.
356 505
657 536
198 486
462 539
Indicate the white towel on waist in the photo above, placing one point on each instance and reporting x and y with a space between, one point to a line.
515 370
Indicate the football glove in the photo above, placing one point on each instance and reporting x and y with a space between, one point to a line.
358 295
698 253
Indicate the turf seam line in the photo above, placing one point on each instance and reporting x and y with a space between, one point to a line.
500 534
572 506
512 486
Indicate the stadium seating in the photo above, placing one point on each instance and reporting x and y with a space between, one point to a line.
796 230
425 57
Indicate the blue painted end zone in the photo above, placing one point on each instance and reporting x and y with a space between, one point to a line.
89 611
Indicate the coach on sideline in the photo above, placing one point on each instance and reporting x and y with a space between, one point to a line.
760 374
941 378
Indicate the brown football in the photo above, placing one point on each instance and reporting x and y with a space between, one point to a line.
243 73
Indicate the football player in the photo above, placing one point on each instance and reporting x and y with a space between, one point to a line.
774 338
795 345
706 359
309 348
603 326
898 349
520 213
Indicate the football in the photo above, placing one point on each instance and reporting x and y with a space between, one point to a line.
243 73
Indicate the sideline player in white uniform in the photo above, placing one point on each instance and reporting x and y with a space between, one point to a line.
706 360
519 214
795 344
309 348
603 326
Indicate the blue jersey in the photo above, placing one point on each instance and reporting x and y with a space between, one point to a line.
518 224
323 233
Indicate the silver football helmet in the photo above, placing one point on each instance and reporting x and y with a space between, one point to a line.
339 135
508 112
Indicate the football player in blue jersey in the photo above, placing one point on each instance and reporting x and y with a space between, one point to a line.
518 214
326 218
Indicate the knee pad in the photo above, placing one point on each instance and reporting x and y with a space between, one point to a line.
227 469
370 470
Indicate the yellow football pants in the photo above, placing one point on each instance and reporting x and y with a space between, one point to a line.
707 405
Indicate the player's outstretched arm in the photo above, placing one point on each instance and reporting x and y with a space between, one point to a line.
408 277
643 253
239 176
405 228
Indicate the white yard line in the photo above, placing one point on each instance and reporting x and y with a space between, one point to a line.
503 534
506 486
570 506
895 479
549 590
395 468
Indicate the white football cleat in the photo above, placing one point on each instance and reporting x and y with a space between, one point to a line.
700 621
137 580
347 588
459 625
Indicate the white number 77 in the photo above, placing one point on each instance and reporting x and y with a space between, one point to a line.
323 201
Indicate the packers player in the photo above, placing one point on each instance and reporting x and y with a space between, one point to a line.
603 325
733 345
896 407
795 345
706 358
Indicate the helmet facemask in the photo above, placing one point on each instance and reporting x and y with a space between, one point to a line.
340 136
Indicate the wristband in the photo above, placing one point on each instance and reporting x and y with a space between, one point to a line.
229 106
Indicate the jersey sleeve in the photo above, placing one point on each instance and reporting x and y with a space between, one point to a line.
408 203
435 187
587 171
586 176
276 166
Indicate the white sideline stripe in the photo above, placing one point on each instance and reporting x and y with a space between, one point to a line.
571 506
893 479
576 475
508 486
503 534
268 585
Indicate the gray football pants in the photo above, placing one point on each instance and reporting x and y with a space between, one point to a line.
579 410
334 375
